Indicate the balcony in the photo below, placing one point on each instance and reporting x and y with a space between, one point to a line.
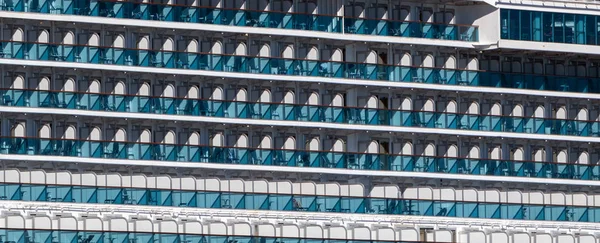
295 158
39 235
248 18
292 67
305 203
295 112
412 29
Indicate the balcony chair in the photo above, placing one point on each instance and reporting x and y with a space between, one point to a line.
468 36
225 203
302 116
279 158
254 114
253 68
58 148
86 240
85 11
17 144
7 5
104 59
351 29
297 205
157 153
463 168
206 20
158 16
112 152
56 55
354 73
442 212
324 70
351 162
408 208
3 53
154 62
185 17
183 64
254 158
127 199
232 156
303 159
7 100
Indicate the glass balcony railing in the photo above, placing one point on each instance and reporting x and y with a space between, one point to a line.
294 112
410 29
288 66
245 17
38 235
287 202
295 158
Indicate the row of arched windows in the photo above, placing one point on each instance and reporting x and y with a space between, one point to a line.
313 98
312 144
262 49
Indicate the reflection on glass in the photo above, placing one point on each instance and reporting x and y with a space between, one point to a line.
549 27
294 158
296 112
295 67
282 202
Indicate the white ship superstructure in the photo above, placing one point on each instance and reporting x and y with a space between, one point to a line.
299 121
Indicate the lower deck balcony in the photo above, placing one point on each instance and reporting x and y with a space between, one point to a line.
295 158
40 235
296 112
305 203
293 67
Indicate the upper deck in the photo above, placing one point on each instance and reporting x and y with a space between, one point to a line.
368 21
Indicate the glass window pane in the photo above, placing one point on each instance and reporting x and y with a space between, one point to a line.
597 31
514 25
537 26
559 27
525 25
591 30
580 29
569 28
548 31
504 23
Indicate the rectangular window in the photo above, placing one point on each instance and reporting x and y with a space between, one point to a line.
547 27
525 25
580 29
559 27
597 31
590 30
537 26
569 28
514 27
504 23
